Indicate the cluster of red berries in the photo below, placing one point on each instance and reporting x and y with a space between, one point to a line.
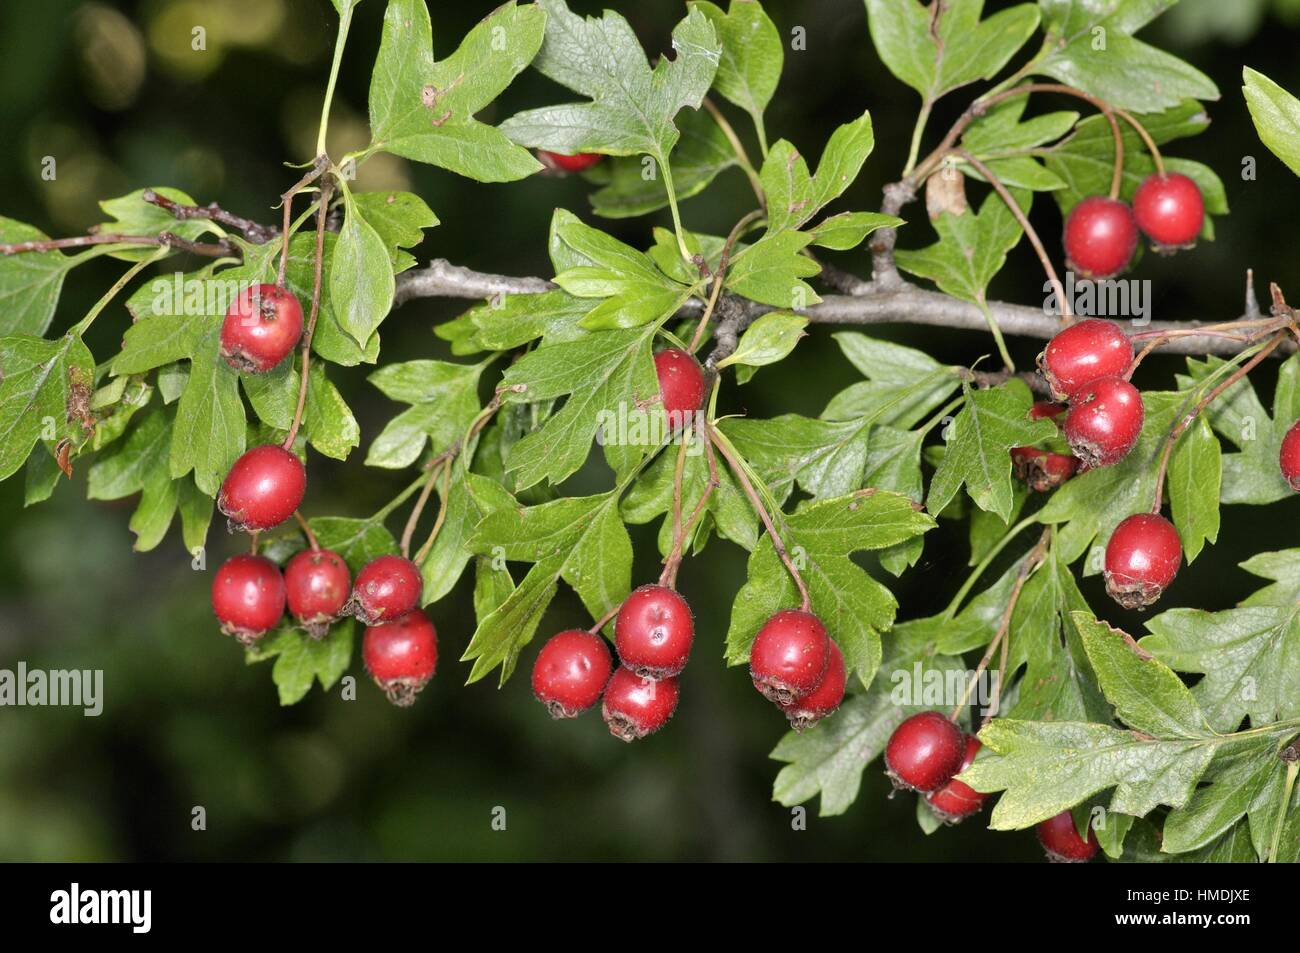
263 489
1101 233
653 634
927 752
1041 468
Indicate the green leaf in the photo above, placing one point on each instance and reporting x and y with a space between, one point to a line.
581 540
902 386
631 185
443 398
752 55
399 218
605 373
357 541
771 271
1091 47
971 250
1250 657
469 499
30 282
1002 129
327 421
209 432
1195 475
849 229
939 48
1249 783
361 275
424 109
632 106
793 195
1276 114
45 391
515 320
139 465
979 442
301 661
769 339
821 537
1283 568
829 758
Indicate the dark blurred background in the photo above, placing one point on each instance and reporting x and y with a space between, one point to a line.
114 91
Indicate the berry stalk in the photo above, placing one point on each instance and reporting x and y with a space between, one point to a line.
322 211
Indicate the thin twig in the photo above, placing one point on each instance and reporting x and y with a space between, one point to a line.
680 532
286 199
322 212
255 232
219 249
306 529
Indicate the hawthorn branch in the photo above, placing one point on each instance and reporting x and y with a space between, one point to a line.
255 232
890 301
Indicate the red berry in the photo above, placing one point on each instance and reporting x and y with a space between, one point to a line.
1082 354
1289 458
1047 410
822 700
924 752
248 597
576 163
956 800
1042 470
634 707
263 488
570 672
1060 838
401 656
654 632
789 656
1105 422
261 327
317 583
1100 237
681 382
1170 210
1142 558
386 588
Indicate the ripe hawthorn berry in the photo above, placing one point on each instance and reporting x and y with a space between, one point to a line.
261 328
401 656
386 588
248 597
1170 210
924 752
263 488
822 700
570 672
1042 470
1142 558
564 163
789 656
1082 354
1060 838
1289 458
1100 237
634 707
317 584
654 632
1104 422
681 383
956 800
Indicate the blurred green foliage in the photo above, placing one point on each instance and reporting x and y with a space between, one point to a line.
121 99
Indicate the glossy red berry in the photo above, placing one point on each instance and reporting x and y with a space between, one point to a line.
262 489
654 632
789 656
634 707
957 800
1170 210
1060 838
1042 470
924 752
1047 410
1100 237
261 328
386 588
570 672
1289 458
317 584
1104 422
401 656
1082 354
681 382
822 700
575 163
1142 558
248 597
